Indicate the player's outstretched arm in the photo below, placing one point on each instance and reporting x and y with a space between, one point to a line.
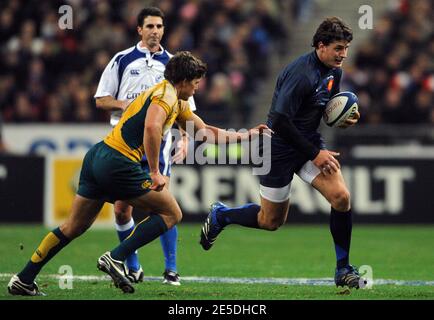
211 134
108 103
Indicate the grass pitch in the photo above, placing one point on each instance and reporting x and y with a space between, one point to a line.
403 255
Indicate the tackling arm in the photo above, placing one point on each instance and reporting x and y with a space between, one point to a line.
216 135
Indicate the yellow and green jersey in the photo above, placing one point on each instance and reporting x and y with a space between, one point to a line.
127 136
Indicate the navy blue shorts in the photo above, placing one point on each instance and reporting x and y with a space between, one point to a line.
285 161
108 175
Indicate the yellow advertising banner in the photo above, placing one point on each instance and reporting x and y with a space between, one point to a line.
62 184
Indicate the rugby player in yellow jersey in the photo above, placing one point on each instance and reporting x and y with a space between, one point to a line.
112 171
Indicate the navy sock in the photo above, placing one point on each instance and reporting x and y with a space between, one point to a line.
246 215
144 232
340 228
48 248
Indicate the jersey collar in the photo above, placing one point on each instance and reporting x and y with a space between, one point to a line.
321 65
146 50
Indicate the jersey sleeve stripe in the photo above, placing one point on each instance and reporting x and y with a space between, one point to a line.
162 104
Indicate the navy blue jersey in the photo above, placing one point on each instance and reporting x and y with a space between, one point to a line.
302 91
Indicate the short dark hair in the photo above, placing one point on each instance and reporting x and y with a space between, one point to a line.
184 66
330 30
149 11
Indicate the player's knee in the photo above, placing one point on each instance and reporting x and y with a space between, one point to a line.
270 220
122 216
270 224
123 212
341 200
73 230
178 217
172 219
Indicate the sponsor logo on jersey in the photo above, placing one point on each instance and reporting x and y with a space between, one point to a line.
131 96
135 72
146 184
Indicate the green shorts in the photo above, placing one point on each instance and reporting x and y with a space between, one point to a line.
108 175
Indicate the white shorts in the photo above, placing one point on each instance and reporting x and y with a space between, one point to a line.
307 173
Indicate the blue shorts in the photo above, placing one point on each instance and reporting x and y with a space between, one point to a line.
285 161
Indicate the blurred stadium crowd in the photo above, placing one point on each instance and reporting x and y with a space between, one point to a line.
393 71
50 75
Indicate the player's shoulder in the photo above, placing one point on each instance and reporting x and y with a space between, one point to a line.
299 70
302 62
166 92
308 67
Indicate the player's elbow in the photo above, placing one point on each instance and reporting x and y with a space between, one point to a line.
153 128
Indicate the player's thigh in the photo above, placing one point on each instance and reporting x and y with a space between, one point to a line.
274 206
162 203
333 188
122 207
83 213
274 211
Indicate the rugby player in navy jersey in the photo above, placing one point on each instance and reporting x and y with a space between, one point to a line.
302 91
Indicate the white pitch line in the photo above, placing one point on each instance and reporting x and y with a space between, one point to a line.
280 281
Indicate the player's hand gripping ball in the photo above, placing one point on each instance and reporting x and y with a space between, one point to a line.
342 106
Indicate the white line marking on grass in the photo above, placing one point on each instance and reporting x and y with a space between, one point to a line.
281 281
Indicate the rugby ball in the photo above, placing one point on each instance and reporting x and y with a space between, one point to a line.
341 107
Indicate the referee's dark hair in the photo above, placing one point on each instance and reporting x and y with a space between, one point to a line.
149 11
330 30
184 66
